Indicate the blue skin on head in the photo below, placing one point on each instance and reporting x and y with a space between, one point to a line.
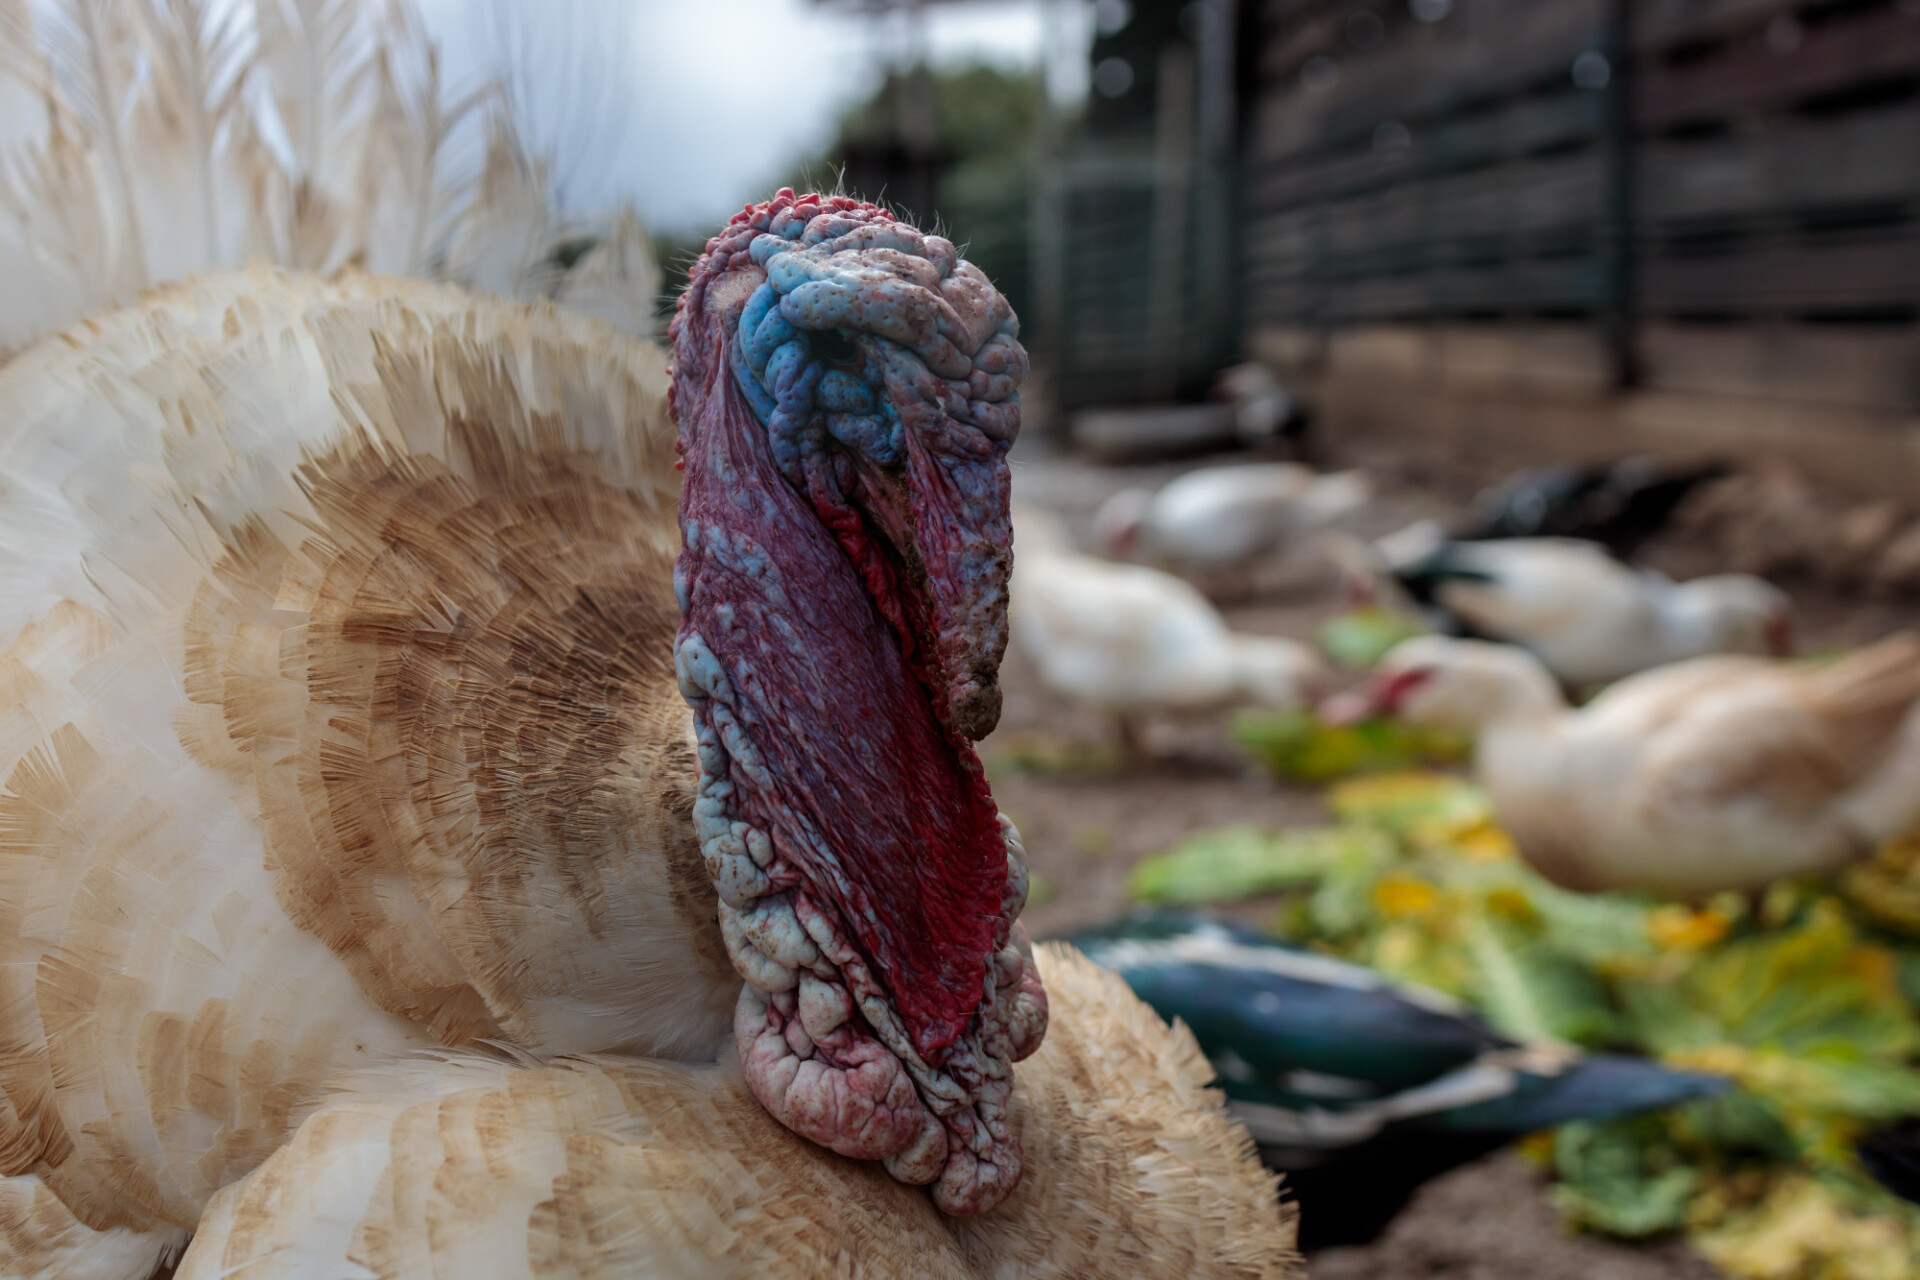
846 392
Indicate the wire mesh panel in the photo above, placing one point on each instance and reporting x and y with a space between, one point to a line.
1134 232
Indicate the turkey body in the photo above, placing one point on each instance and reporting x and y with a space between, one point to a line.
486 1169
340 720
342 724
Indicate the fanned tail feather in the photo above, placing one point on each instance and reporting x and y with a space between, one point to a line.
142 141
617 279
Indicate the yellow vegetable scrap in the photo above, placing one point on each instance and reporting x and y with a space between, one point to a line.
1679 928
1803 998
1397 897
1802 1230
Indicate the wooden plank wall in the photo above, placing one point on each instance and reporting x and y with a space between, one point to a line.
1399 170
1736 210
1778 198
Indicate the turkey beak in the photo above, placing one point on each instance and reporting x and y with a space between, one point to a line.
952 556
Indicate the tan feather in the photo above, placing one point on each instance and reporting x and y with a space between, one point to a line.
41 1240
472 1166
317 58
184 136
415 191
56 230
1863 698
278 745
505 237
26 82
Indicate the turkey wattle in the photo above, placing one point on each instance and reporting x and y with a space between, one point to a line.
846 392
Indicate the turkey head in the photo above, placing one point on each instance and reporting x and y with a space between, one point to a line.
846 393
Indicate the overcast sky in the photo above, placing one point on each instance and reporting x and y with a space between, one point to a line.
705 104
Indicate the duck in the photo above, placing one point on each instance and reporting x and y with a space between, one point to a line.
1714 774
391 669
1134 642
1222 518
1589 618
1621 504
490 1167
1359 1088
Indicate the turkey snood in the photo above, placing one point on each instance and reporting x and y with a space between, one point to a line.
846 393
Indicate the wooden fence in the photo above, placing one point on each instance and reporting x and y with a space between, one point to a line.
1700 196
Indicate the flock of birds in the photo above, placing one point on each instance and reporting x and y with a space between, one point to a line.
482 794
1128 633
1707 761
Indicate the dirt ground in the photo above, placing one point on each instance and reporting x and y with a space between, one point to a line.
1489 1221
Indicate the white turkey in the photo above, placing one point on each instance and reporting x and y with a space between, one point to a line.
356 705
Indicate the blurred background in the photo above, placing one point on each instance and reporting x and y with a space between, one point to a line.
1345 315
1678 225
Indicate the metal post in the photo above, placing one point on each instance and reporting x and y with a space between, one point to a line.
1215 247
1619 315
1168 259
1043 331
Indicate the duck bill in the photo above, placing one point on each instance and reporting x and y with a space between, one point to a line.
1382 695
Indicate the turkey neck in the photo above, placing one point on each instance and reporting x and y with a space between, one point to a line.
844 391
826 740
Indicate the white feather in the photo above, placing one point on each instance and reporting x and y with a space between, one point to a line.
142 141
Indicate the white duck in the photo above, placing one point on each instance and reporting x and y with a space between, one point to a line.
1220 518
1135 642
1584 614
1717 773
353 702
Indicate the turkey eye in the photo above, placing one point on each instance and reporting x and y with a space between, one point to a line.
833 346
